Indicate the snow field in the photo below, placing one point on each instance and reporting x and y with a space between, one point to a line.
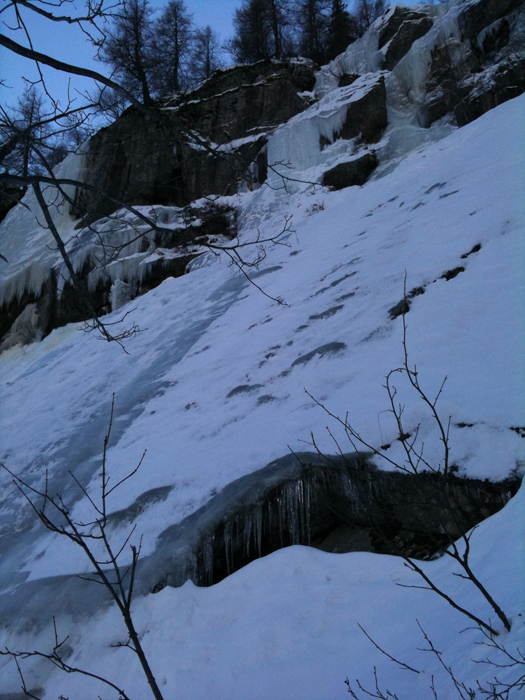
285 626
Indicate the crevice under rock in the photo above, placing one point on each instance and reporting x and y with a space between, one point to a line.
337 504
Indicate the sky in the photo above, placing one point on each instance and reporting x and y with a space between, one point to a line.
69 44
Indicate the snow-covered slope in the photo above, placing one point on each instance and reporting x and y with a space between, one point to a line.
213 389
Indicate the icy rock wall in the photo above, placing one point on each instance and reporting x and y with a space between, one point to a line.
333 503
356 111
26 244
115 258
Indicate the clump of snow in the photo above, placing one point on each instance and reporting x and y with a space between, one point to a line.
24 330
121 293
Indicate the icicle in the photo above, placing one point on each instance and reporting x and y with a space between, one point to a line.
247 533
307 510
280 506
228 547
258 529
207 555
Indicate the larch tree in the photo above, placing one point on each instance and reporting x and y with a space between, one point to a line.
206 54
174 38
128 47
366 12
314 20
261 30
251 39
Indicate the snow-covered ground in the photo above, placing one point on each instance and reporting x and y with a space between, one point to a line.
286 625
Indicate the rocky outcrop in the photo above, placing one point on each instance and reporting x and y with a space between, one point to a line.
408 32
482 68
476 16
53 307
299 72
250 108
506 80
334 503
146 158
395 19
353 172
367 116
338 504
453 63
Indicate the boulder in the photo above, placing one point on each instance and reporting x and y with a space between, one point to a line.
367 115
400 44
353 172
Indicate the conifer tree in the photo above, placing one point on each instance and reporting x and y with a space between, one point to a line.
342 29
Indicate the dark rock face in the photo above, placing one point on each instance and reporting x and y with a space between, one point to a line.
368 115
476 17
408 32
508 81
9 197
495 37
145 158
347 79
232 114
393 24
353 172
452 63
485 68
301 74
141 160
